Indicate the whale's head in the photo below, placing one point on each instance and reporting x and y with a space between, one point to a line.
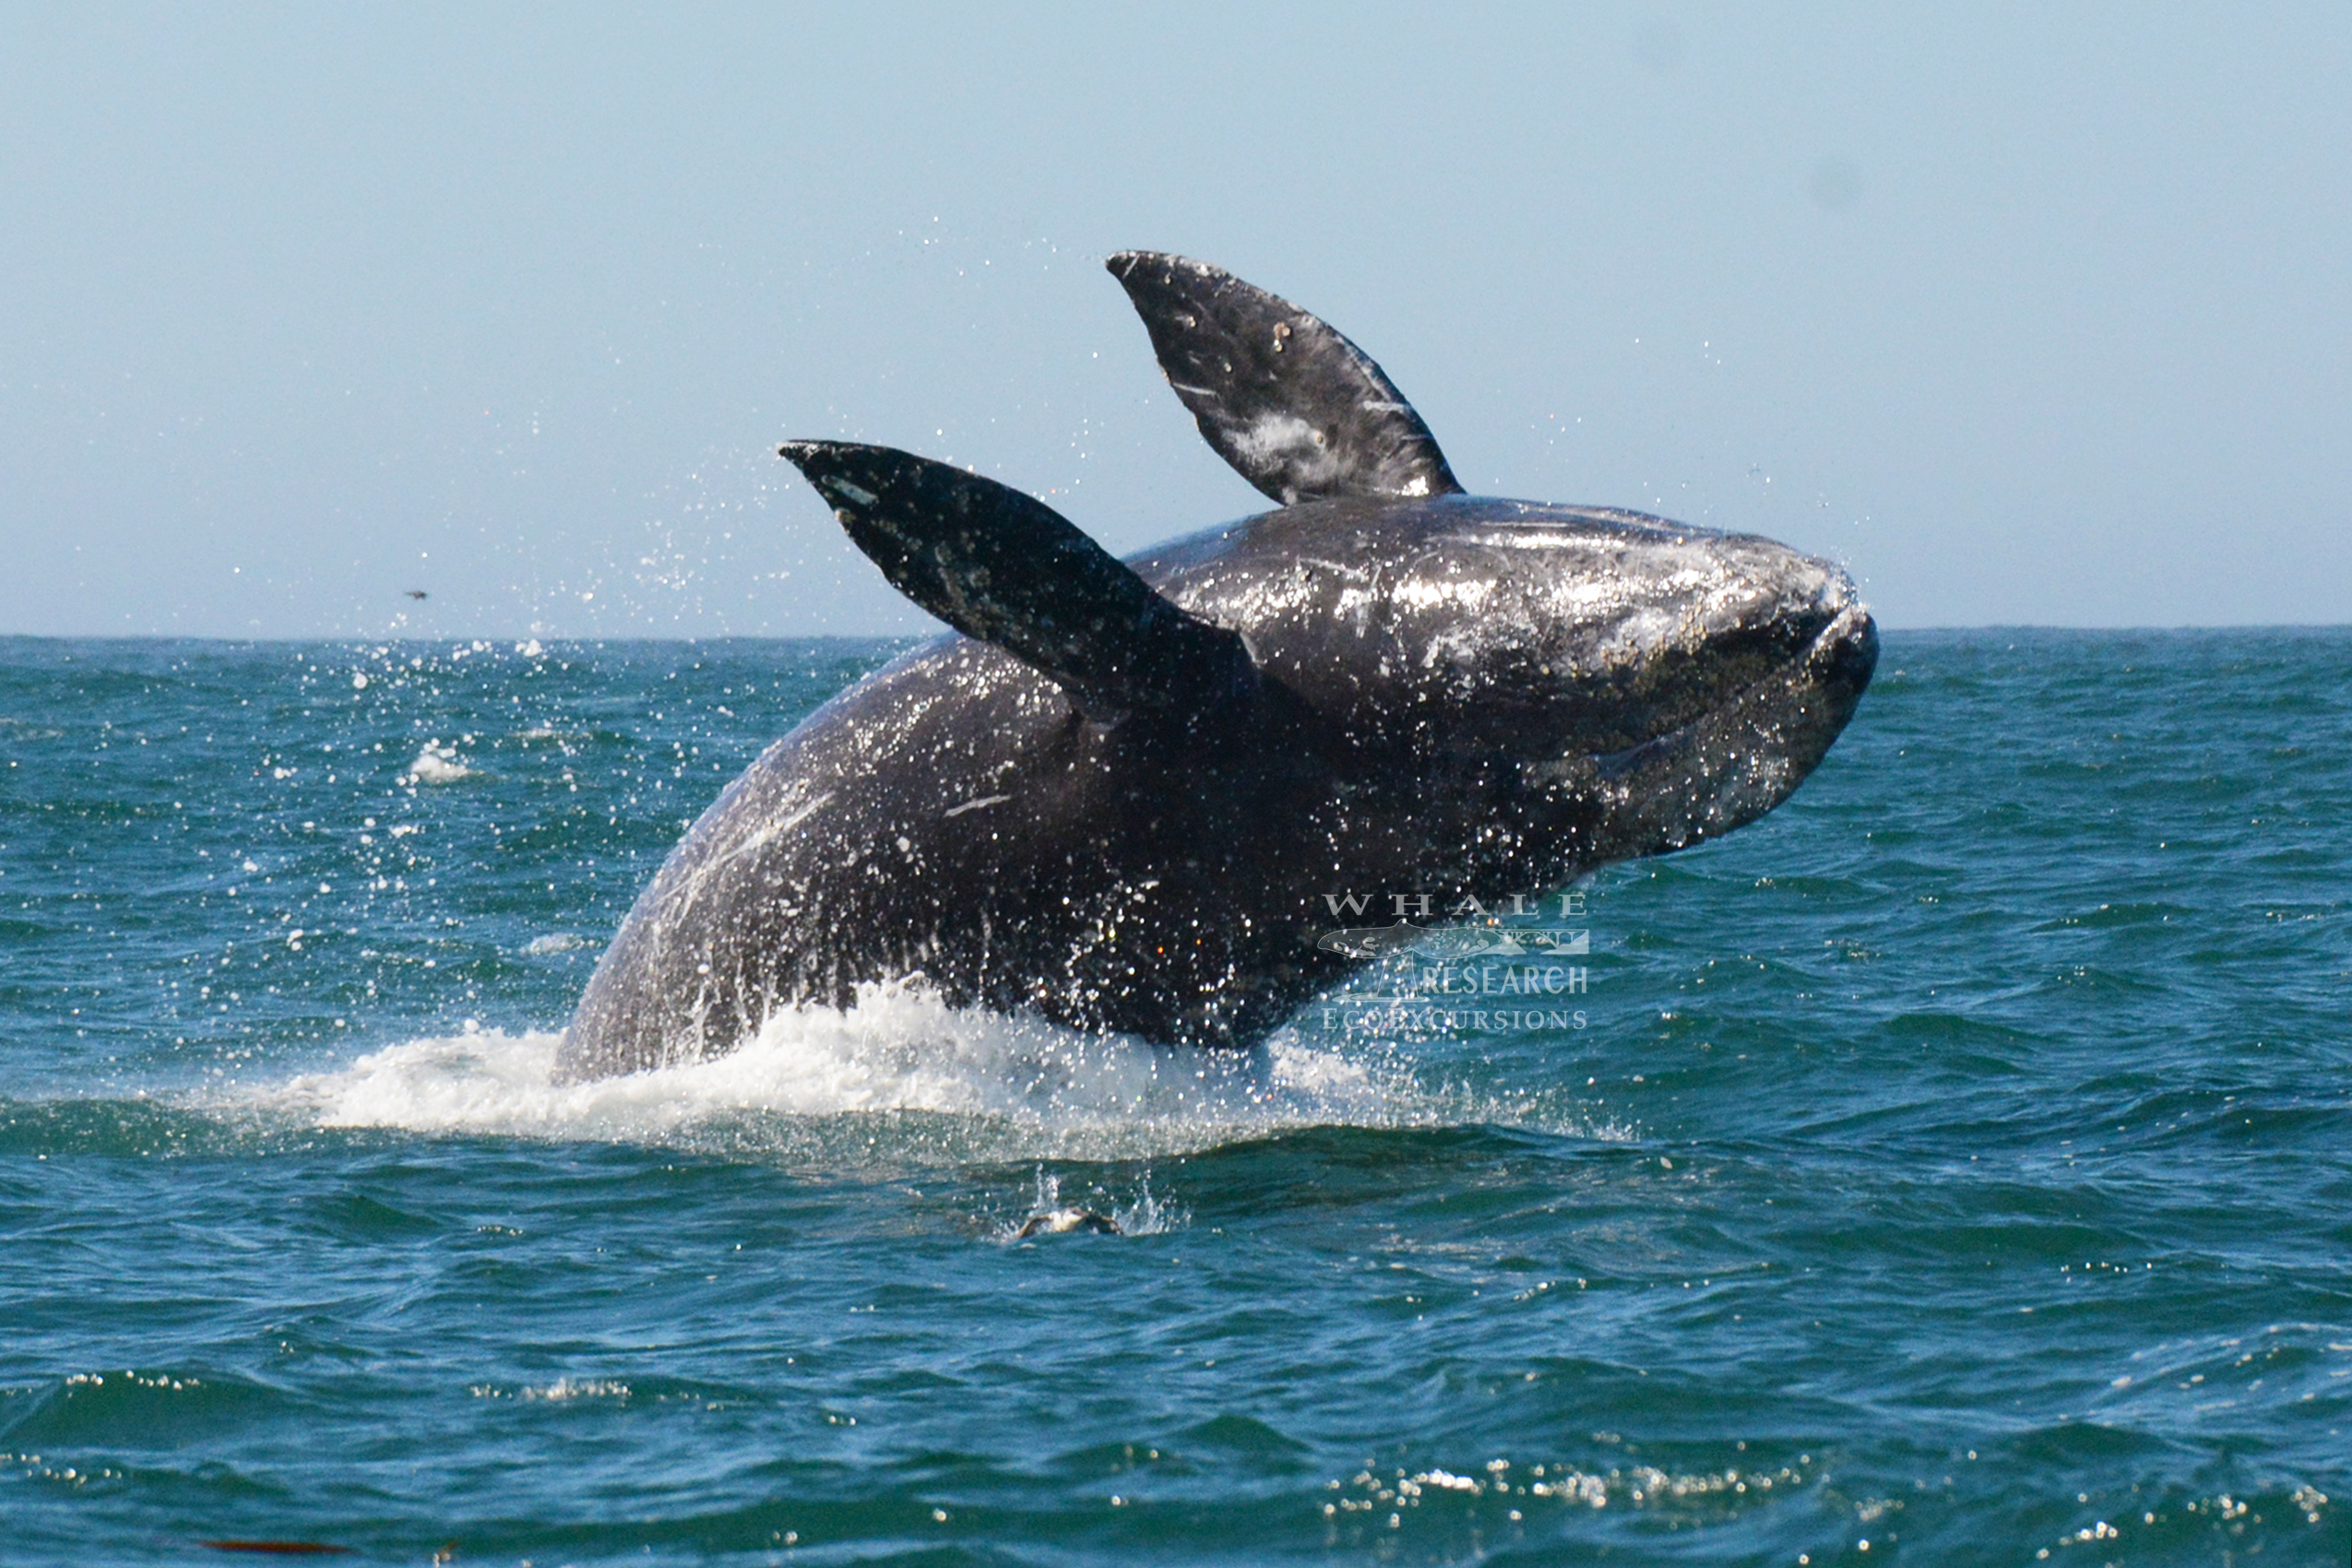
1665 682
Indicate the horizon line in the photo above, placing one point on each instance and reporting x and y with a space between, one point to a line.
519 638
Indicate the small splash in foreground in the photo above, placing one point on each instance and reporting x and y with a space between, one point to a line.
1048 1215
977 1085
436 763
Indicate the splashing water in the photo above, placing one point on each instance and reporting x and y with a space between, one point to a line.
1048 1215
436 763
1015 1087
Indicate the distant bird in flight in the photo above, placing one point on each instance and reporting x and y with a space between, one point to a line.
417 593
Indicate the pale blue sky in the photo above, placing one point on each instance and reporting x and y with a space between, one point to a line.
2028 313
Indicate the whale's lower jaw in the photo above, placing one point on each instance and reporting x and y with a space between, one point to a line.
1733 764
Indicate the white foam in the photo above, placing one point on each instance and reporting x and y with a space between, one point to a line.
438 765
897 1075
553 942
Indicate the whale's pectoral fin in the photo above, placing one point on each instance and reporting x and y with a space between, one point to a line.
1297 409
1008 569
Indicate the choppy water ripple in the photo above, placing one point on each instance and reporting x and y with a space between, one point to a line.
1954 1162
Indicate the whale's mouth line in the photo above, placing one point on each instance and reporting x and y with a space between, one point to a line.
1808 663
1733 763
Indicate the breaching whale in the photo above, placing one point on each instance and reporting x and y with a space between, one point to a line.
1119 796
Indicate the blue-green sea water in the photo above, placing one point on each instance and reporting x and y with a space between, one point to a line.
1955 1167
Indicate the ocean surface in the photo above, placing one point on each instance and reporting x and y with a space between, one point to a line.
1955 1167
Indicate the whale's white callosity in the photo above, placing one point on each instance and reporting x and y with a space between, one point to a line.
1121 796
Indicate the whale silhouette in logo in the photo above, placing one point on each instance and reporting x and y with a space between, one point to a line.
1118 794
1371 941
